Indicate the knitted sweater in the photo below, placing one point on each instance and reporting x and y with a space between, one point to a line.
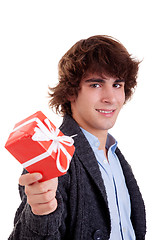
82 211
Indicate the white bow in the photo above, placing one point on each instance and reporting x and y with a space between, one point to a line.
42 133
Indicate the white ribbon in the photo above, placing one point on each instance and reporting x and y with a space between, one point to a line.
42 133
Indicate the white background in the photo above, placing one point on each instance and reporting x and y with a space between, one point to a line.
33 37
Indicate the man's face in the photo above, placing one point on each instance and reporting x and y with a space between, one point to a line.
99 102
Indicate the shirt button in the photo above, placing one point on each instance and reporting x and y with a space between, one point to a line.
97 235
97 144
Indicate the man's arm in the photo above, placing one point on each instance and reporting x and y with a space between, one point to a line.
41 196
40 213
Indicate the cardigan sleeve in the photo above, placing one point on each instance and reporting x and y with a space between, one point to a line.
28 225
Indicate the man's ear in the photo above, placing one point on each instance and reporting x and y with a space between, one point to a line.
71 98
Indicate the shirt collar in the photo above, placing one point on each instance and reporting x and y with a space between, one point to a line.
111 142
94 141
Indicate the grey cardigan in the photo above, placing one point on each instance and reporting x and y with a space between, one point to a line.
82 211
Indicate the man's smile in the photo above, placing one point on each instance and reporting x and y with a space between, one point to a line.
104 111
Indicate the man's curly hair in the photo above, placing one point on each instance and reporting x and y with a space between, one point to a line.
98 54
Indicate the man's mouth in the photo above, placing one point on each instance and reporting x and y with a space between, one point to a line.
104 111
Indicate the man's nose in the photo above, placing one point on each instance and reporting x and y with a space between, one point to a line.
108 95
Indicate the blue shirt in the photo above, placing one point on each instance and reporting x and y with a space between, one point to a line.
116 189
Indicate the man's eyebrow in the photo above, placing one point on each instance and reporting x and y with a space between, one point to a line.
95 80
100 80
119 80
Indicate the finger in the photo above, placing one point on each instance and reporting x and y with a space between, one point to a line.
41 198
42 187
29 178
49 185
46 208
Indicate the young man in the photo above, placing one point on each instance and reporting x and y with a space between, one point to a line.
98 198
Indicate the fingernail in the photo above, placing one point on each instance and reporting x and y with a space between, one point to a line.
38 176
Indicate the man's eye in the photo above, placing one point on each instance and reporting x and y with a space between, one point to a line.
117 85
95 85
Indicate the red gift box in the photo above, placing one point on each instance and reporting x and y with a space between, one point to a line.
41 147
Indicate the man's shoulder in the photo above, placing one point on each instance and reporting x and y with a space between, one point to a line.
69 125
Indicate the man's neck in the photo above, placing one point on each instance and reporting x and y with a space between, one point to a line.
102 137
102 145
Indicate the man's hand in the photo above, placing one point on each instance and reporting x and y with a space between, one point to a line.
41 196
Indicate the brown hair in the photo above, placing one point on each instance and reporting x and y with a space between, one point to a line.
98 54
